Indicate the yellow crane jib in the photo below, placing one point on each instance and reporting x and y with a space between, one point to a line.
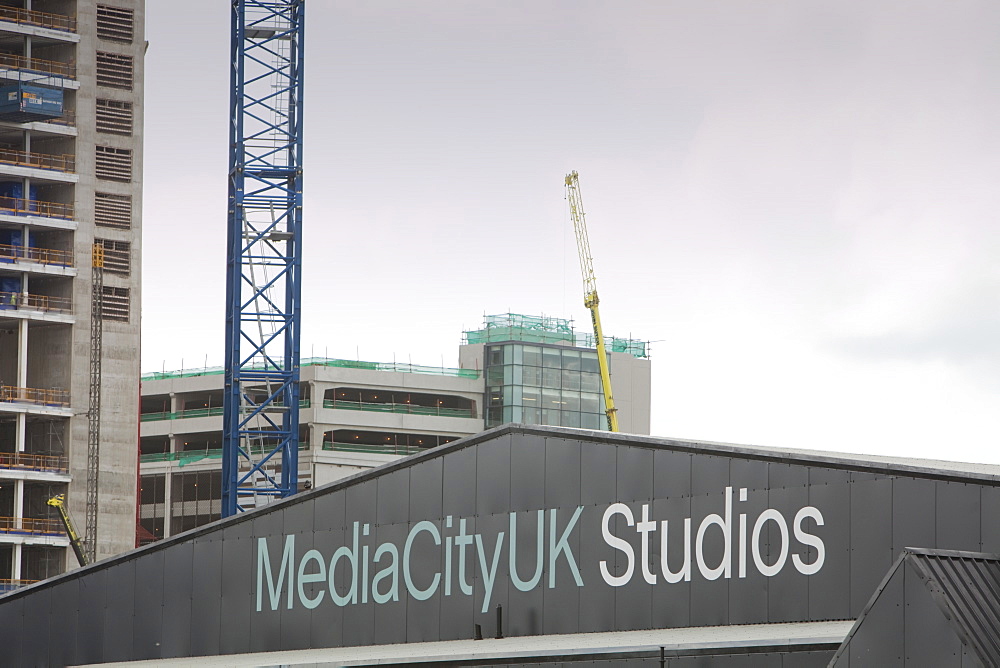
59 501
590 298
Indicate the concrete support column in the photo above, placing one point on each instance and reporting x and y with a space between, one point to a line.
18 504
21 432
173 403
21 379
167 499
15 565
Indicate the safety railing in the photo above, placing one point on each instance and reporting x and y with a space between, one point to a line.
323 361
33 207
57 162
410 409
27 462
33 17
198 412
12 61
30 302
189 456
7 586
31 395
48 256
33 526
373 449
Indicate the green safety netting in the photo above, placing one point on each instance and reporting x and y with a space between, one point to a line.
544 329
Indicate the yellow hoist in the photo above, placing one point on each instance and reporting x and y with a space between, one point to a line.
590 299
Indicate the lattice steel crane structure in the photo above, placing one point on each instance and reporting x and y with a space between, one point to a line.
264 261
590 299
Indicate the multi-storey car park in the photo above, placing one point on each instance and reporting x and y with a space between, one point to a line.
71 87
357 415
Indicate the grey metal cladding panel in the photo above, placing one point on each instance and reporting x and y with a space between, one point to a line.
119 614
596 599
524 614
527 472
493 476
871 538
635 474
437 617
147 628
990 518
562 473
178 590
426 484
671 474
817 659
562 605
928 639
709 598
709 474
913 514
90 632
12 634
829 589
390 617
787 475
489 545
598 479
264 626
748 596
633 600
748 473
37 620
297 520
788 592
362 499
958 516
393 504
878 639
459 483
671 602
207 583
239 590
326 622
359 617
64 620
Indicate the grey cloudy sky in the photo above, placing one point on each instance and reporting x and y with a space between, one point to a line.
795 199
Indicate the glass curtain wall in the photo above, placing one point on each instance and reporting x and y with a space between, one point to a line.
548 385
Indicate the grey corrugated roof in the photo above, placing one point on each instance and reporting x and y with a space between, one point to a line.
967 586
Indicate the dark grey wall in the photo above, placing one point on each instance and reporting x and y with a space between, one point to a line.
196 594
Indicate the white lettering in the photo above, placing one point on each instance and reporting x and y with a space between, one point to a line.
618 544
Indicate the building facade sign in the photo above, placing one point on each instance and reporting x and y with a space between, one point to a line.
364 570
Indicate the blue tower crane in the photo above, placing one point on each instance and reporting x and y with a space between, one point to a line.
264 256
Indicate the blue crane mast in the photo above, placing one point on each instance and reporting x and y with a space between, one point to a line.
264 255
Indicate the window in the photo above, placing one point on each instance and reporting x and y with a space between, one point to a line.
113 210
117 256
114 117
114 70
115 23
116 304
114 164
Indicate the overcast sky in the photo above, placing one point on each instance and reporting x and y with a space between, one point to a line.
796 200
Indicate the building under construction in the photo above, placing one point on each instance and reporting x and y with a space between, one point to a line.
357 415
71 74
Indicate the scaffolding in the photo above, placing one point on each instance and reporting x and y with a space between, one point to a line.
545 329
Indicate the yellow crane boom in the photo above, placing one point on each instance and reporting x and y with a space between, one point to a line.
59 501
590 299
